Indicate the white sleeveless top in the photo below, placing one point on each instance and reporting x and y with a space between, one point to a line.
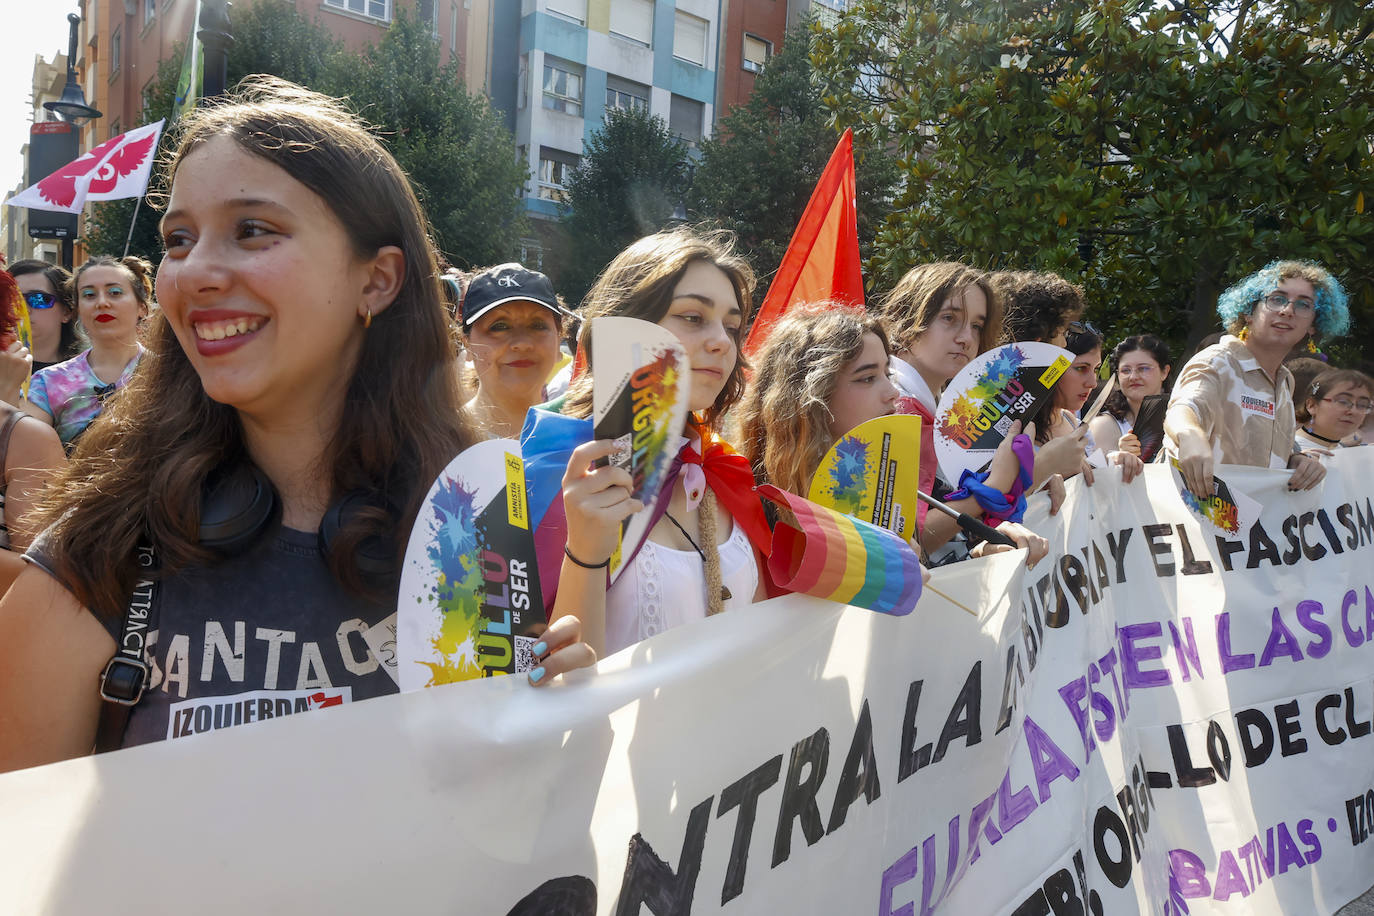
664 587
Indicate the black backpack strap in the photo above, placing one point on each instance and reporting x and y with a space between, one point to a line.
127 672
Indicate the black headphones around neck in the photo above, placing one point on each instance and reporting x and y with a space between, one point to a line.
239 504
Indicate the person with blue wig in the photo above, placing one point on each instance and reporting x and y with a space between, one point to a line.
1233 403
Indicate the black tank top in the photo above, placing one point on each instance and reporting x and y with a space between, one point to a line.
267 634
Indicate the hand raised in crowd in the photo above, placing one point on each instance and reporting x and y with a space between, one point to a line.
15 365
1131 465
1063 455
561 649
1036 546
1057 491
1307 472
1129 443
596 500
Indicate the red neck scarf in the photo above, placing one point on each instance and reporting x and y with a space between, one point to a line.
731 479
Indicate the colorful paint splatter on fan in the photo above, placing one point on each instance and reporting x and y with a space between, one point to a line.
958 422
653 389
454 549
1218 510
848 484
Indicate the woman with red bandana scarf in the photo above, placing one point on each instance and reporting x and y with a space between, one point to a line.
702 553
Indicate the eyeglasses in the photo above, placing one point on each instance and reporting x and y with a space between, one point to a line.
1363 405
37 299
1275 302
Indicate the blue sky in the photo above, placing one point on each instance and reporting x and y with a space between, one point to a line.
37 27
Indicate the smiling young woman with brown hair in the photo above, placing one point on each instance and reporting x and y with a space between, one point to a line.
264 471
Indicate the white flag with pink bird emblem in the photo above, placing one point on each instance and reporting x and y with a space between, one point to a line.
115 169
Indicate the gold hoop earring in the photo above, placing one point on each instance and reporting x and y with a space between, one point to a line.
367 321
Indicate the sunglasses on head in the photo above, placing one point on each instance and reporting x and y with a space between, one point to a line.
1083 327
37 299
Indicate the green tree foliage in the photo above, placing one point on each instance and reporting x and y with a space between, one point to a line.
456 151
273 38
453 145
1159 151
759 170
627 185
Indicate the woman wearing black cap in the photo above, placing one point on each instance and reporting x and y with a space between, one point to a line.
512 323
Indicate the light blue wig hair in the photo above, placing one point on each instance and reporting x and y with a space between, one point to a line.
1332 318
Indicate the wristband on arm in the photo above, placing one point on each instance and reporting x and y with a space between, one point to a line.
997 506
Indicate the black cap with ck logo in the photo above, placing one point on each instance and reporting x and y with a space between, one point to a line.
507 283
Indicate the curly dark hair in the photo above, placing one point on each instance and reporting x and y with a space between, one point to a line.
1036 305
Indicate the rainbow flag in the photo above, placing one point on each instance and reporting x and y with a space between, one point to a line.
831 555
822 260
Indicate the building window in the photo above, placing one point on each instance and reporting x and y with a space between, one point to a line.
453 28
429 12
114 129
149 10
633 20
562 86
684 118
689 38
756 53
532 253
376 9
576 10
146 97
826 13
555 166
624 94
116 40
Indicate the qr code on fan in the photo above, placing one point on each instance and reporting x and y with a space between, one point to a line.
524 654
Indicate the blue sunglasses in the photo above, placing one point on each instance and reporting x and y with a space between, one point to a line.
37 299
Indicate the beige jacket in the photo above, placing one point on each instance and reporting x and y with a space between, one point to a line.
1247 415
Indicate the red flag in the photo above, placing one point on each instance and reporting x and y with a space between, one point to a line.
115 169
822 260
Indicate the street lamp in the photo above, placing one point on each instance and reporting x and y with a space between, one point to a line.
686 174
72 105
215 36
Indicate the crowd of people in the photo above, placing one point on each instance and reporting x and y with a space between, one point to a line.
244 442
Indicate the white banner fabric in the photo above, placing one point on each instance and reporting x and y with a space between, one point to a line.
1153 720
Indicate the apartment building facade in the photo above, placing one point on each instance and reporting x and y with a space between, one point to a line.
124 41
558 65
551 67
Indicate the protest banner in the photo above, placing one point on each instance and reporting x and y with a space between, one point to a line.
1155 719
